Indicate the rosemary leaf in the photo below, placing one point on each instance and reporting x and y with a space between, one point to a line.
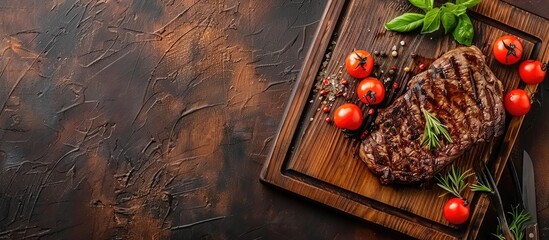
454 181
433 128
518 219
517 224
480 187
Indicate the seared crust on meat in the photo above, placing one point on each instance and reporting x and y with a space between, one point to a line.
462 92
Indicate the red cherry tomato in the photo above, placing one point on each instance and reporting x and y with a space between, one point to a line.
456 211
359 63
508 49
517 102
348 116
371 91
532 72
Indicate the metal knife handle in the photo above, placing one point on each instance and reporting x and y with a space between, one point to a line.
531 232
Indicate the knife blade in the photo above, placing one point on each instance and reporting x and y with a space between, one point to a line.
529 197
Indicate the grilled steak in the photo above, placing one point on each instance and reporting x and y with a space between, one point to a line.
462 92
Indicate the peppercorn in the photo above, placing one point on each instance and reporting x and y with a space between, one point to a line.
326 81
324 92
395 85
344 82
328 120
392 72
364 134
394 53
326 109
394 67
422 67
376 52
371 111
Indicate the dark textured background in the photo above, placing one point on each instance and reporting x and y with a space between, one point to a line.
142 119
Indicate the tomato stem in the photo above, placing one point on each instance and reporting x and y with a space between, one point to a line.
362 61
372 96
465 202
510 50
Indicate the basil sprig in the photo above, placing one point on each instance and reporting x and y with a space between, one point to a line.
452 16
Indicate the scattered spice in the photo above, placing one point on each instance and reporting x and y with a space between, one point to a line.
394 53
364 134
402 43
422 67
395 85
326 109
371 111
392 72
344 82
406 69
376 52
328 120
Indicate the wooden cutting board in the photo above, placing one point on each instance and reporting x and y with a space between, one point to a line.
315 160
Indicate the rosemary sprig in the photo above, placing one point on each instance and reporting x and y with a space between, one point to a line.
454 181
433 128
517 224
481 186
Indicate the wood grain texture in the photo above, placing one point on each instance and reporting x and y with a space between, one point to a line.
314 159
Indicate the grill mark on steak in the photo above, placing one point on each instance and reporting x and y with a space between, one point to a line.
455 64
473 84
462 92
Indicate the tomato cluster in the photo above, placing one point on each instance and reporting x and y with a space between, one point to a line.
508 50
371 91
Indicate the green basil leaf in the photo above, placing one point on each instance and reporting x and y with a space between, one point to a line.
464 31
431 22
457 10
405 22
426 5
467 3
449 21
